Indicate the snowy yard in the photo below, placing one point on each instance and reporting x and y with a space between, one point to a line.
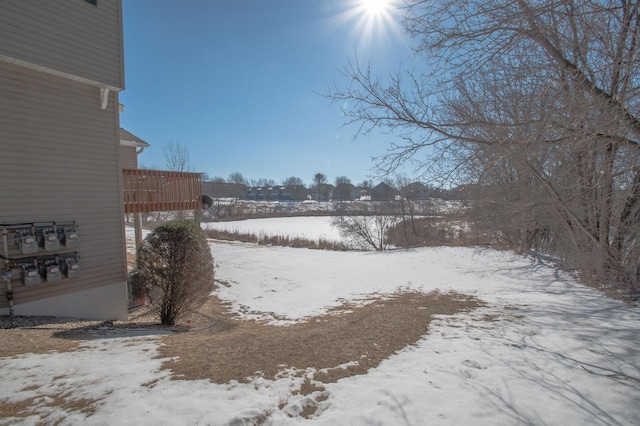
545 350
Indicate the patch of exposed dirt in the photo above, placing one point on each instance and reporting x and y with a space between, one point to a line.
21 341
41 405
358 336
44 334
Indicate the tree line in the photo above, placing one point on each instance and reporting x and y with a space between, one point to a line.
317 179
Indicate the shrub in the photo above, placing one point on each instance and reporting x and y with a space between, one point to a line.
176 265
367 226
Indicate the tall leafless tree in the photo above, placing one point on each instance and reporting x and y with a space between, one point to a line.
537 105
293 181
319 186
237 178
176 157
367 225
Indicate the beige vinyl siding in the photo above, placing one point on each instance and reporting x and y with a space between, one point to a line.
60 161
71 36
129 157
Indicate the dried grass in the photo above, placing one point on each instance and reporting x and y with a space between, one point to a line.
360 336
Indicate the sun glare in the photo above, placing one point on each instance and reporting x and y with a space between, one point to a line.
374 22
375 7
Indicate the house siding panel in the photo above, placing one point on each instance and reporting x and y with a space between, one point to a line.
60 161
129 157
39 32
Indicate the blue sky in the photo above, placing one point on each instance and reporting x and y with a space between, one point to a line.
238 83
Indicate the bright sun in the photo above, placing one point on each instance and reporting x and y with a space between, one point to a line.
375 7
372 23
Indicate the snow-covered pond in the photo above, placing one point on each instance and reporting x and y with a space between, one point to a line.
312 228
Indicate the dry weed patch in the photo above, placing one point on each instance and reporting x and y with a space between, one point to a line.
347 341
42 404
20 341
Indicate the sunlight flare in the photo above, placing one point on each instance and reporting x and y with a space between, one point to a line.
375 7
371 25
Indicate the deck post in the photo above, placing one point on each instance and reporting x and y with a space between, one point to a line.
137 225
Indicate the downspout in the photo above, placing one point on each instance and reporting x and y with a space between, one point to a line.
7 276
137 217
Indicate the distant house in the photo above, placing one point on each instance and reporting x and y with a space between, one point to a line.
225 190
257 193
294 193
415 191
346 192
323 192
252 193
274 193
61 214
383 192
277 193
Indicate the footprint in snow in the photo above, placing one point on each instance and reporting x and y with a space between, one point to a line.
473 364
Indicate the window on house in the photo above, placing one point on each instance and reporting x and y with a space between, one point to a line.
94 2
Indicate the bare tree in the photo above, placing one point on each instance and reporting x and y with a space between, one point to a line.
293 181
319 179
537 104
176 157
319 186
367 225
342 179
223 207
263 182
237 178
343 189
295 187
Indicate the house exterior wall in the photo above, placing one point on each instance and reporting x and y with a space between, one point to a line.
416 191
224 190
69 36
383 192
128 157
60 156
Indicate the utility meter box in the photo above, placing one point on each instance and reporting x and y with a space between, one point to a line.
51 241
71 239
73 269
31 276
53 273
28 244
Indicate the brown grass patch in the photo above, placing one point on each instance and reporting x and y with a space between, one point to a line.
20 341
40 404
361 336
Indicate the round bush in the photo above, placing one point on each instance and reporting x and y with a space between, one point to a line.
176 266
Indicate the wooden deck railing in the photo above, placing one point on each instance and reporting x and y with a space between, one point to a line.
147 191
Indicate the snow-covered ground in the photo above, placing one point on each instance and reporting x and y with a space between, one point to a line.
545 350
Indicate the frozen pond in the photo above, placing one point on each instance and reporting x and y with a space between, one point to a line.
313 228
